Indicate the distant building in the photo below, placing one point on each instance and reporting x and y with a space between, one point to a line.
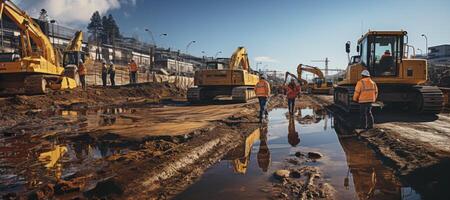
439 64
120 52
173 66
439 54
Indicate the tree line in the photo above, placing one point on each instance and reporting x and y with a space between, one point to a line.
103 29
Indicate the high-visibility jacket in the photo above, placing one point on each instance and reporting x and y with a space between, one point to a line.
366 91
262 88
292 93
81 69
133 67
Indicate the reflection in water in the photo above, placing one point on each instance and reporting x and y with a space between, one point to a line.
293 137
107 116
27 163
351 167
313 115
240 156
263 155
371 179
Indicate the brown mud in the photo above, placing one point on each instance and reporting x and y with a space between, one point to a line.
414 146
21 107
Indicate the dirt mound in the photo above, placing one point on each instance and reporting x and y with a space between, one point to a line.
17 107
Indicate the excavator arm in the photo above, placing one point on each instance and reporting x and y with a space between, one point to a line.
30 32
239 59
76 42
310 69
300 80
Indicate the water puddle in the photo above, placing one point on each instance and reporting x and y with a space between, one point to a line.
27 161
347 164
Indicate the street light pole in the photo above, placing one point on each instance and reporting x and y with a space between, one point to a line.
53 30
160 36
188 45
152 51
219 52
426 44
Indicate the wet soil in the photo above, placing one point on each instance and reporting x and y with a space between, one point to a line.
415 146
325 161
19 108
137 146
96 152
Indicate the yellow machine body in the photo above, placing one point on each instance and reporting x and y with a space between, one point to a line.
400 77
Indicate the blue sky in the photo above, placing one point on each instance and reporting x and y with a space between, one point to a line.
282 32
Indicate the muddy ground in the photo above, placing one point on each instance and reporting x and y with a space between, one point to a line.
140 142
21 107
123 142
415 146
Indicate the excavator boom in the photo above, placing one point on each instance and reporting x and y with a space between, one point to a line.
239 59
76 42
320 85
37 67
310 69
30 30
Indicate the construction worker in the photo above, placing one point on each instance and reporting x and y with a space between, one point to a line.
112 73
366 93
262 90
263 156
292 91
82 73
104 73
133 72
386 53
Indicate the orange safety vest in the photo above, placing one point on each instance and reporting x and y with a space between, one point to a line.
366 91
291 93
81 70
133 67
262 88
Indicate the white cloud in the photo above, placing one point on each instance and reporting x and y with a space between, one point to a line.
71 11
265 59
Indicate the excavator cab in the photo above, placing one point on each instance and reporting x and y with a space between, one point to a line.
381 53
215 65
72 58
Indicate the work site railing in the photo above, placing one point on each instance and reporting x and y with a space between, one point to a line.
122 77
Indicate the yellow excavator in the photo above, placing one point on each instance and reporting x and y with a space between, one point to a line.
37 67
74 51
400 79
238 81
319 84
303 83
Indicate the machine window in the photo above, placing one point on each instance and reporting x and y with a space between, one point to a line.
363 50
384 55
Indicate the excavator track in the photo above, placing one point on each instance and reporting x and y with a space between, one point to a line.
194 94
35 84
424 99
343 96
430 99
243 94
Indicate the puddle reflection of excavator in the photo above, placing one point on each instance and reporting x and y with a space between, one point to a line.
240 156
371 179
